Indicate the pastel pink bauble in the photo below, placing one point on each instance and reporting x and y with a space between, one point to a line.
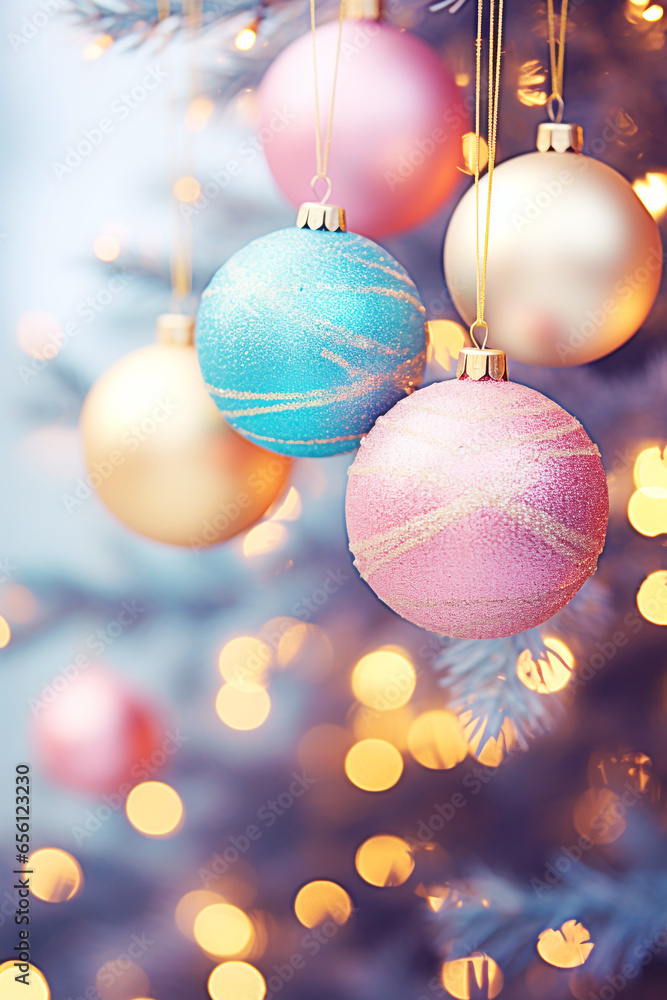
94 734
397 128
477 509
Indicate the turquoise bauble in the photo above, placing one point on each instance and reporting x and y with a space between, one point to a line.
305 337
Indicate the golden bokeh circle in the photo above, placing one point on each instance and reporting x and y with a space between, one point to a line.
384 860
392 726
373 765
550 674
565 948
488 750
599 815
236 981
243 707
322 900
244 660
436 740
652 598
647 510
651 468
475 976
224 930
154 809
36 989
56 875
384 680
190 906
5 632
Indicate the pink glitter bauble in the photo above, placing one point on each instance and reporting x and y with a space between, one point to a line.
398 122
92 734
477 509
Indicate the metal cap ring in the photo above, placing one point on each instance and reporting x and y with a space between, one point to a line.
313 184
481 324
557 115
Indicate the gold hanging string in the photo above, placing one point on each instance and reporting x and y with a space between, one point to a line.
557 60
181 227
495 53
322 160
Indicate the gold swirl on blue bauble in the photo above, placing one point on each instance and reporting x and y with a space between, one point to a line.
305 337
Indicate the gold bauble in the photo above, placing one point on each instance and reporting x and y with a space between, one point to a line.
574 258
161 457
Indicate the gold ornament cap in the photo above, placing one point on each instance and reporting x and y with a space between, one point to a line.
318 215
175 330
559 137
363 10
476 362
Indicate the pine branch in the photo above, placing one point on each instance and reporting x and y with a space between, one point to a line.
480 675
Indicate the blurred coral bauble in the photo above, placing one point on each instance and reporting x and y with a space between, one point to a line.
91 732
397 127
161 457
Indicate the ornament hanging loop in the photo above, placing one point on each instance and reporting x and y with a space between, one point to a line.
321 177
555 108
483 325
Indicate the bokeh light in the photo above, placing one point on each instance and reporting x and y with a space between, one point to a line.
106 247
652 188
19 603
384 860
653 13
549 675
532 79
243 707
599 816
224 930
303 648
446 338
198 113
322 900
651 468
384 680
435 895
56 875
186 189
37 987
436 740
291 643
190 906
5 632
473 977
244 660
469 148
247 37
236 981
373 765
652 598
647 510
392 726
489 750
154 809
567 947
39 334
288 509
97 47
265 537
622 770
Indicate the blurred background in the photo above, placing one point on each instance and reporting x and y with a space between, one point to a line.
246 771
